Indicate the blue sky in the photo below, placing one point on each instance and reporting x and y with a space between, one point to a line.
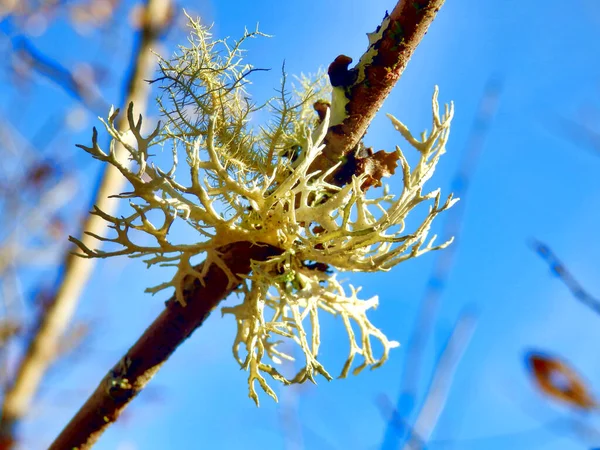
530 181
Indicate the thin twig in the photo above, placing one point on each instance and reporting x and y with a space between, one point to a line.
442 381
37 217
577 133
60 75
176 323
559 269
390 414
41 350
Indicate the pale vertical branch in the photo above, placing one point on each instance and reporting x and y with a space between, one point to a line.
42 348
442 381
176 323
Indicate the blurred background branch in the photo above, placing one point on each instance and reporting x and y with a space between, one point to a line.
46 341
559 270
81 86
435 399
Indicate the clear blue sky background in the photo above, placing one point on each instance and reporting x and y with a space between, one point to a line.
531 181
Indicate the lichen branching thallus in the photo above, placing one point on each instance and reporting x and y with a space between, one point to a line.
254 184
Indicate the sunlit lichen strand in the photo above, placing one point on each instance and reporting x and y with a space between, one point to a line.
244 185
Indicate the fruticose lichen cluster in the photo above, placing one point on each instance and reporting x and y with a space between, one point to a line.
255 184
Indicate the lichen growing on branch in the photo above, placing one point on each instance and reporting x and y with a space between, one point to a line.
255 185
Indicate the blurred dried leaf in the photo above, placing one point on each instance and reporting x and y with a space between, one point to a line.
39 173
8 328
92 14
57 228
557 380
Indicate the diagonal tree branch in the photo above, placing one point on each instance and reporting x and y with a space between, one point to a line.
174 325
60 75
368 84
442 381
42 348
398 37
560 270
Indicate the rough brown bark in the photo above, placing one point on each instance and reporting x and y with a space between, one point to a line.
173 326
409 23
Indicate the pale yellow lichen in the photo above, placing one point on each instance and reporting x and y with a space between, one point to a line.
245 185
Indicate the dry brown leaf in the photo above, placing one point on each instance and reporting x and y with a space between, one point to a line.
558 381
376 166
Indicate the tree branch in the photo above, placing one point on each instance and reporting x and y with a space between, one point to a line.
169 330
59 74
41 350
176 323
375 74
560 270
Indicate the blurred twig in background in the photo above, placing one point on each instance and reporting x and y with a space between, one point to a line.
46 340
81 87
426 316
289 411
442 381
559 270
579 134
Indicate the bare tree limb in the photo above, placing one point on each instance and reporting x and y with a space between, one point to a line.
410 20
371 81
174 325
43 346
